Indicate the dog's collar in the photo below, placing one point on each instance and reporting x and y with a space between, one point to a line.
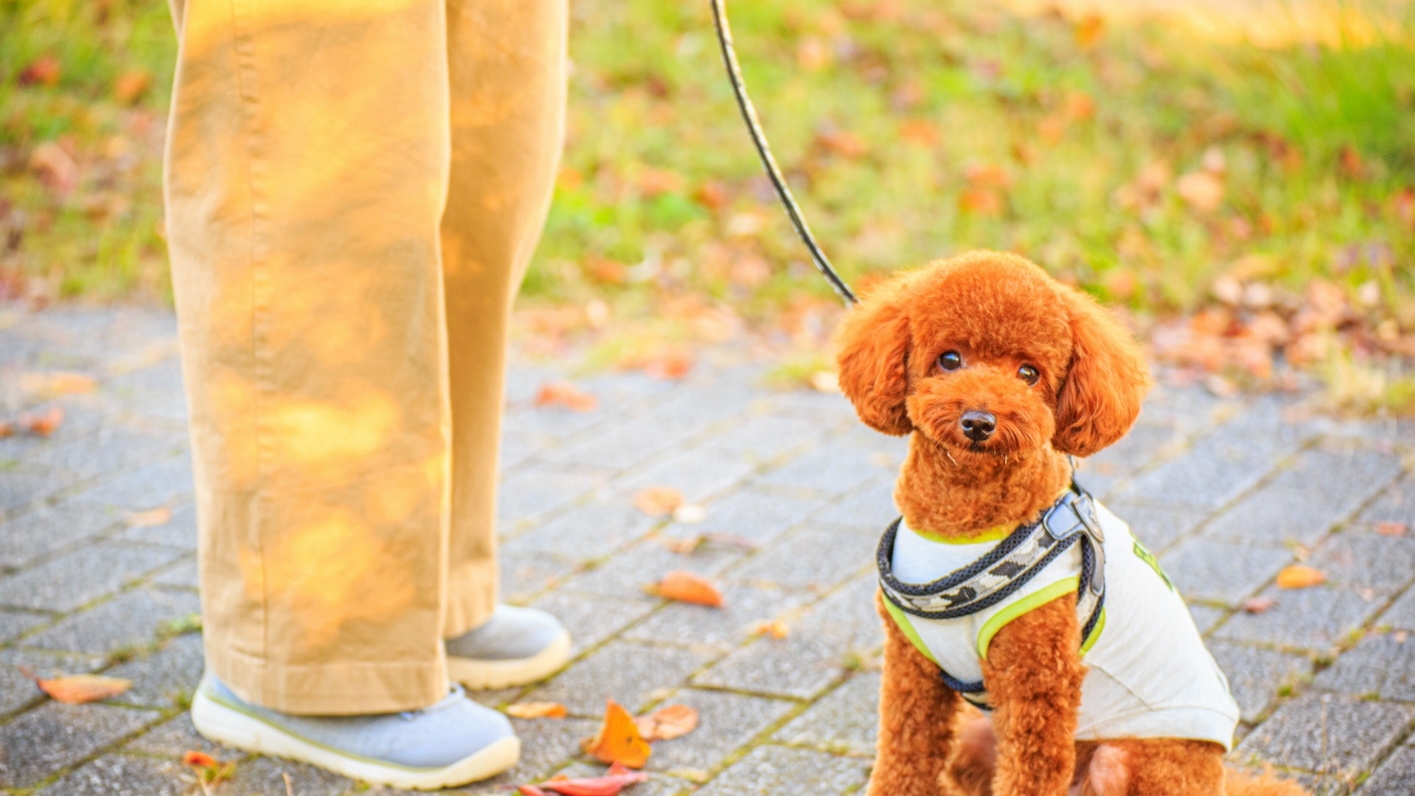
1004 569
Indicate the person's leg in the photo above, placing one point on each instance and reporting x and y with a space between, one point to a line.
306 174
507 68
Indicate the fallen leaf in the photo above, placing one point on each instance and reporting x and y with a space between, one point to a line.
1391 528
43 71
1088 31
669 366
76 689
150 518
536 710
690 513
1300 576
44 424
843 143
7 429
54 167
686 587
1201 190
1257 605
667 723
563 393
770 627
618 739
658 501
610 784
198 759
131 86
980 201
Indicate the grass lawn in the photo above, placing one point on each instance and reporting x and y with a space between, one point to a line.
1239 187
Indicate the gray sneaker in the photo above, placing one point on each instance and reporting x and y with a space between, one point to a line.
454 742
514 647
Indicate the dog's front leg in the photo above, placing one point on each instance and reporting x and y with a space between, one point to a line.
916 712
1033 674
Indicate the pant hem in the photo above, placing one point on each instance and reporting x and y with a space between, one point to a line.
345 689
471 596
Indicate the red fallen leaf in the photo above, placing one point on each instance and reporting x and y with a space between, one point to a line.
616 779
658 501
685 587
78 689
563 393
618 740
667 723
43 71
531 790
1257 605
1391 528
198 759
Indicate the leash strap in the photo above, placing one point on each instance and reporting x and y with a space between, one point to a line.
749 115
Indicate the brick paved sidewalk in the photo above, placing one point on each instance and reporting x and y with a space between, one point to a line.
1225 492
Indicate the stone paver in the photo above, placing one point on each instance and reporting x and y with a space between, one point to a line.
795 492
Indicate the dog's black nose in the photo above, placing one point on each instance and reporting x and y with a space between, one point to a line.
978 426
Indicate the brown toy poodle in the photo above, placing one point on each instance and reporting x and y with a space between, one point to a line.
1004 584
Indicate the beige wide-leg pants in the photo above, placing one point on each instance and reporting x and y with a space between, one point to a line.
354 188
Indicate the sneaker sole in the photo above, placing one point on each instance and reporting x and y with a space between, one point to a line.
478 674
231 727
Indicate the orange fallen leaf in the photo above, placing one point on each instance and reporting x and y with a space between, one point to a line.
7 429
669 366
689 588
658 501
198 759
150 518
981 201
770 627
76 689
1089 30
1257 605
44 424
1300 576
610 784
618 739
131 86
563 393
536 710
1391 528
667 723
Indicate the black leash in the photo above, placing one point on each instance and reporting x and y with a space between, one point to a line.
749 115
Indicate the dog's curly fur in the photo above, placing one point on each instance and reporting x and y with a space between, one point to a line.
1001 312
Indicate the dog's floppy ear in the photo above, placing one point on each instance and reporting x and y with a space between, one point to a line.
873 356
1105 383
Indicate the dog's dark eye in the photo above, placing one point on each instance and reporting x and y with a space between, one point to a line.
950 360
1028 374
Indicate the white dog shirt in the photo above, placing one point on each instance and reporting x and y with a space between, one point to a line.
1149 674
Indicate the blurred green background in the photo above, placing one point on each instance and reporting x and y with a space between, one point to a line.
1252 205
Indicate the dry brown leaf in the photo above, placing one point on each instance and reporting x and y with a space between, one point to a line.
563 393
1257 605
667 723
770 627
536 710
76 689
44 424
658 501
1200 190
618 739
1300 576
1391 528
150 518
686 587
